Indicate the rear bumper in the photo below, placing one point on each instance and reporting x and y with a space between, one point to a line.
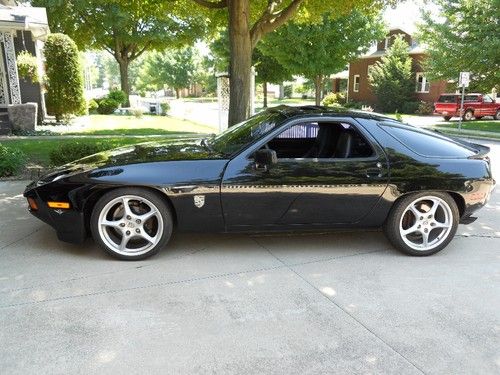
477 198
69 224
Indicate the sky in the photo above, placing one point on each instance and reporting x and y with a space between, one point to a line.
407 14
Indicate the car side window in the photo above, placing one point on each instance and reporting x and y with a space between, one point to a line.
487 99
313 140
426 143
471 98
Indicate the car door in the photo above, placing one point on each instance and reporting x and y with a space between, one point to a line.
488 107
304 188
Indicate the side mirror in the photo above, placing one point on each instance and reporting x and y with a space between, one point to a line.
265 158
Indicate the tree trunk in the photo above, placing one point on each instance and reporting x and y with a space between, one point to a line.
177 95
241 61
124 80
264 91
318 88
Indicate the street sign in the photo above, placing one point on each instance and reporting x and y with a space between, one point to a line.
464 79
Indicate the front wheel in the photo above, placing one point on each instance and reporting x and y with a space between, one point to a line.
447 118
131 223
497 115
468 115
422 224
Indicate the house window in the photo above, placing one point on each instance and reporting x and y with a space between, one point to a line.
422 84
355 84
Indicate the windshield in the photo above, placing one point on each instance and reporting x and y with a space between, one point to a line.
246 132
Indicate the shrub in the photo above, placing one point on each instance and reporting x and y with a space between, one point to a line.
165 107
118 96
136 112
398 116
354 105
11 161
71 151
64 80
334 98
27 67
287 91
107 106
425 108
409 107
392 79
92 106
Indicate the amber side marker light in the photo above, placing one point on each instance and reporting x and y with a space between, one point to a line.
32 204
58 204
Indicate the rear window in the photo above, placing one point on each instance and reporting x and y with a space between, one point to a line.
447 99
427 143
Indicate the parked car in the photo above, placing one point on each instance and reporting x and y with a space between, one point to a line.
284 169
475 105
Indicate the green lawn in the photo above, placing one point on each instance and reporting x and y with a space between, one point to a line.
485 126
38 150
130 125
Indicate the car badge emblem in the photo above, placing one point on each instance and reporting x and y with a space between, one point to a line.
199 201
59 211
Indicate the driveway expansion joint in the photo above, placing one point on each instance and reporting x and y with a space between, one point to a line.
332 301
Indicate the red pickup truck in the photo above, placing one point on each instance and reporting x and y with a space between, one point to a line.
475 105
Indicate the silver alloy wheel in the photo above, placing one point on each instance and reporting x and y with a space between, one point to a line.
426 223
468 115
130 225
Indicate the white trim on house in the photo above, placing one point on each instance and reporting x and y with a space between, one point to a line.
421 87
355 83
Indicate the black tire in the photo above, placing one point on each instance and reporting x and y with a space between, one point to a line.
468 115
447 118
497 115
392 223
162 208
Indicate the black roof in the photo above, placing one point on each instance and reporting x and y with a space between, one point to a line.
307 110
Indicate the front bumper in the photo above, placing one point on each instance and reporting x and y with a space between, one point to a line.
68 223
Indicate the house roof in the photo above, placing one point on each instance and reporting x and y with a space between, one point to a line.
24 18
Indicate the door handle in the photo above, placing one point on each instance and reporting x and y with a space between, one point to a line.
260 167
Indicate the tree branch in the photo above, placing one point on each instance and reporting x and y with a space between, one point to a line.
270 21
212 5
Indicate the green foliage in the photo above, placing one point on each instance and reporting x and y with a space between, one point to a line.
398 116
11 161
410 107
107 106
316 50
424 108
92 106
467 40
64 81
165 107
287 91
172 68
27 67
354 105
136 112
71 151
118 96
334 99
392 79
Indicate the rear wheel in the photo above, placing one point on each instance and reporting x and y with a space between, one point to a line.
131 223
422 224
468 115
447 118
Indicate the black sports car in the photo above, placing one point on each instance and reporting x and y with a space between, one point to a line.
288 168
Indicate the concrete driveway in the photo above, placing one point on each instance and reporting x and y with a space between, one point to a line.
237 304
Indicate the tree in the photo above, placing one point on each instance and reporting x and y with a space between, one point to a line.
248 22
124 28
172 68
317 50
64 80
392 79
464 38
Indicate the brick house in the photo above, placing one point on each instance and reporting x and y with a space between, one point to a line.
359 87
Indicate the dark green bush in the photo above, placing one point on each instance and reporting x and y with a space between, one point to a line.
118 96
165 107
425 108
409 107
287 91
64 79
354 105
107 106
72 151
11 161
92 106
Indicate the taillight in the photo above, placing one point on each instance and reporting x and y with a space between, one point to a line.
32 204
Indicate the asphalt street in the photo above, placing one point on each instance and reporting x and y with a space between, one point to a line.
332 303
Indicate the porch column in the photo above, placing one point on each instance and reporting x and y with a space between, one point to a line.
10 60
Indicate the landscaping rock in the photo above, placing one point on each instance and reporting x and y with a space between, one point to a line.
23 116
